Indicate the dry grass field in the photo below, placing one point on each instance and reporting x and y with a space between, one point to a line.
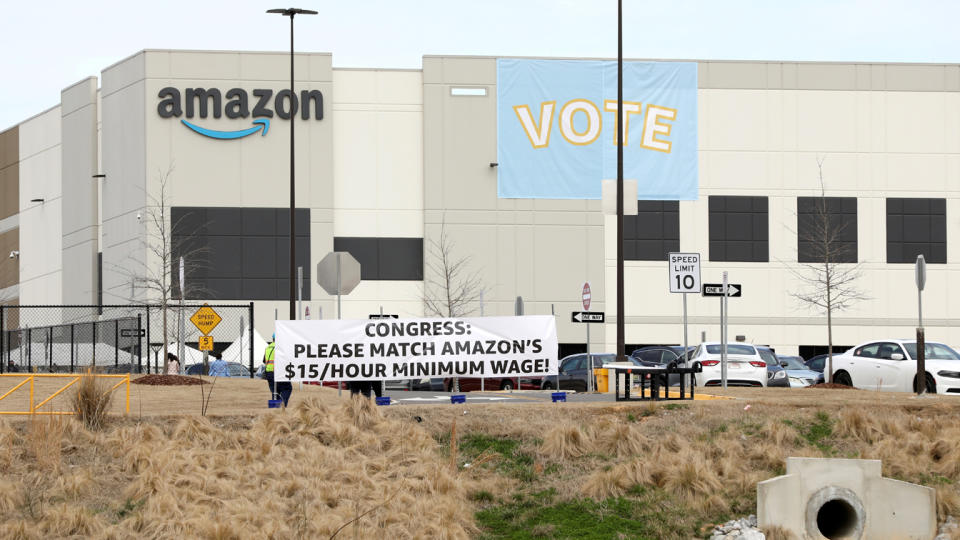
337 467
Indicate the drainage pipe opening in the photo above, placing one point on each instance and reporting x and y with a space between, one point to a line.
837 519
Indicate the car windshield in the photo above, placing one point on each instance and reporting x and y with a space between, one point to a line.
932 351
732 349
768 357
793 362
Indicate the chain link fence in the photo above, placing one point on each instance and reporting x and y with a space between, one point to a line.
124 338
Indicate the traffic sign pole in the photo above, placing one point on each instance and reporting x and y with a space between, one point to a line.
723 333
684 326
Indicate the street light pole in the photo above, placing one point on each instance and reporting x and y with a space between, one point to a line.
291 12
621 316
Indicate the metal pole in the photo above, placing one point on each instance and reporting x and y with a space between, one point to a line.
723 333
621 315
339 383
251 340
339 286
299 292
684 325
920 307
589 363
293 198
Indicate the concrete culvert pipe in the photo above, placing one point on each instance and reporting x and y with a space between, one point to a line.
836 519
833 499
836 513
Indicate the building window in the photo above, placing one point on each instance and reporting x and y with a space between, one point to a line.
239 253
827 226
653 232
739 229
399 259
914 227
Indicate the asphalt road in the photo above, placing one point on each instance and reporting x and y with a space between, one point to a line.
517 396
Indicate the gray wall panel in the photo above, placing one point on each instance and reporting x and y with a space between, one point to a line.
80 220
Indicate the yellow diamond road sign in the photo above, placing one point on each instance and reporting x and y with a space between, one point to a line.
205 319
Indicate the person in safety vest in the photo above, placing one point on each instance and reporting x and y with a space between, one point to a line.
281 388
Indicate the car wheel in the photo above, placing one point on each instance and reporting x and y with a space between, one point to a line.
842 377
548 385
931 384
506 385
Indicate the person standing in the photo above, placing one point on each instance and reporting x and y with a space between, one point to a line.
281 388
173 364
268 366
218 368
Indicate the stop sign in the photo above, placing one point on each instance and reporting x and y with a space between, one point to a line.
586 296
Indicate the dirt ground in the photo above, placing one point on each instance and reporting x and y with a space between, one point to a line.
229 396
236 396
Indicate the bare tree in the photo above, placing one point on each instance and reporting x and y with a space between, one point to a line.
450 288
165 242
824 269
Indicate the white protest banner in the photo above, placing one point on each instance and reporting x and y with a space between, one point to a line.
380 349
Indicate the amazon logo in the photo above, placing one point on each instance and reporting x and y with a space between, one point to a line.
202 103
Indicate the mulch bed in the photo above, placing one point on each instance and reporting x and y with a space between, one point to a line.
168 380
831 385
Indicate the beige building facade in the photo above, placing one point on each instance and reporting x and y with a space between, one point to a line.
396 156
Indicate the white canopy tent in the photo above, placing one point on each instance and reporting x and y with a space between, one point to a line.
42 354
239 350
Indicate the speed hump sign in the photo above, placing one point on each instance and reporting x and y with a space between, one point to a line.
684 272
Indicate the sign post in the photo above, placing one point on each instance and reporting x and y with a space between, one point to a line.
585 296
723 290
723 332
921 279
684 279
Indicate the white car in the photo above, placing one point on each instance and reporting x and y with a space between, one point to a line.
744 365
890 365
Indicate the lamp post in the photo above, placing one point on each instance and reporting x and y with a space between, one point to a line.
621 316
292 12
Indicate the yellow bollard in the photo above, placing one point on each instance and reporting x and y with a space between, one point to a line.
31 394
128 394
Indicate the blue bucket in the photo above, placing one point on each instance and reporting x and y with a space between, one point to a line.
385 400
274 403
559 396
458 399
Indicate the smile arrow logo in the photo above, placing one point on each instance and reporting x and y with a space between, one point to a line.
261 123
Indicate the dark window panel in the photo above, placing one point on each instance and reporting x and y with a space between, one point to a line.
222 289
259 222
263 289
260 257
224 221
739 228
916 226
841 220
401 258
364 250
187 220
223 257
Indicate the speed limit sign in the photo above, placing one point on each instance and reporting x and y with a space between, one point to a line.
684 272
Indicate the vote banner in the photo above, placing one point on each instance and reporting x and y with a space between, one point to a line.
556 128
348 350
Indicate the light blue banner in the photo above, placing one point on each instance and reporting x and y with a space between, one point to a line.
556 127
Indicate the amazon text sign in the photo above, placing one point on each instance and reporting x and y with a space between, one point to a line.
414 348
556 123
236 103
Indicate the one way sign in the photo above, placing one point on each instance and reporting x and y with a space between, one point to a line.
716 289
587 316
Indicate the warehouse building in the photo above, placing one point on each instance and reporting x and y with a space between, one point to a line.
387 160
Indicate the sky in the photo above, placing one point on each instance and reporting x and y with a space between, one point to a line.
52 45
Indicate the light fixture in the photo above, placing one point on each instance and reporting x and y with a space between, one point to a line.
14 254
493 164
99 176
36 200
